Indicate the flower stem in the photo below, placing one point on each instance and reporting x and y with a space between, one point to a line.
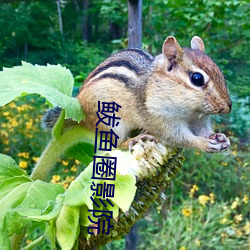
57 146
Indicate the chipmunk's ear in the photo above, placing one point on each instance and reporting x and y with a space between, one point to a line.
171 49
197 43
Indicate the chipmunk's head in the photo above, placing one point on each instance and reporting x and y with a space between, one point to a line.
198 77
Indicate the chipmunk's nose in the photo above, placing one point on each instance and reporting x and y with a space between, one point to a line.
227 108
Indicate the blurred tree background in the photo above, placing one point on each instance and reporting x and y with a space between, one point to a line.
79 34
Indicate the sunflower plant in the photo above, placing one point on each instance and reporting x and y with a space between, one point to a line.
62 213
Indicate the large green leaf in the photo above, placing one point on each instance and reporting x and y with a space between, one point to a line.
7 185
53 82
82 151
28 200
67 226
124 190
20 197
38 196
79 192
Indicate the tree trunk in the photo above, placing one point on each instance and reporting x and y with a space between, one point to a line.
85 20
59 16
135 23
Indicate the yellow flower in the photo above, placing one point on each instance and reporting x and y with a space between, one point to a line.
23 107
183 248
6 113
73 168
77 162
223 220
247 227
65 163
6 149
238 233
197 242
238 218
55 178
29 124
65 185
23 164
12 105
6 141
245 199
24 154
70 178
193 190
211 195
203 199
224 164
4 134
234 152
35 159
14 123
187 211
223 235
235 203
19 108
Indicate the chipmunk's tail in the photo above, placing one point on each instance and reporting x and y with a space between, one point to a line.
50 117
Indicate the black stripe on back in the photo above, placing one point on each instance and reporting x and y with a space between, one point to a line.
118 63
142 53
118 77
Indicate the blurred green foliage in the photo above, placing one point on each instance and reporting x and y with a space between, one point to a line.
30 32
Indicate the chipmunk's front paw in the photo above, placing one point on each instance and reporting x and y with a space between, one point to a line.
141 139
217 142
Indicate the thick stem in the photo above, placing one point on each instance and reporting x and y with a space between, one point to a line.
57 147
50 156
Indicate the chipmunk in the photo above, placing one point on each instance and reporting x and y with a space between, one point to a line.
170 96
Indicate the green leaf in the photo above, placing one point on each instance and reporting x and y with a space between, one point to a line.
50 234
53 82
125 189
4 240
39 194
84 213
21 197
9 168
50 216
82 151
14 198
79 191
6 186
14 223
67 227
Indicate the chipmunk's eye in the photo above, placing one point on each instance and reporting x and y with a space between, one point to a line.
197 79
